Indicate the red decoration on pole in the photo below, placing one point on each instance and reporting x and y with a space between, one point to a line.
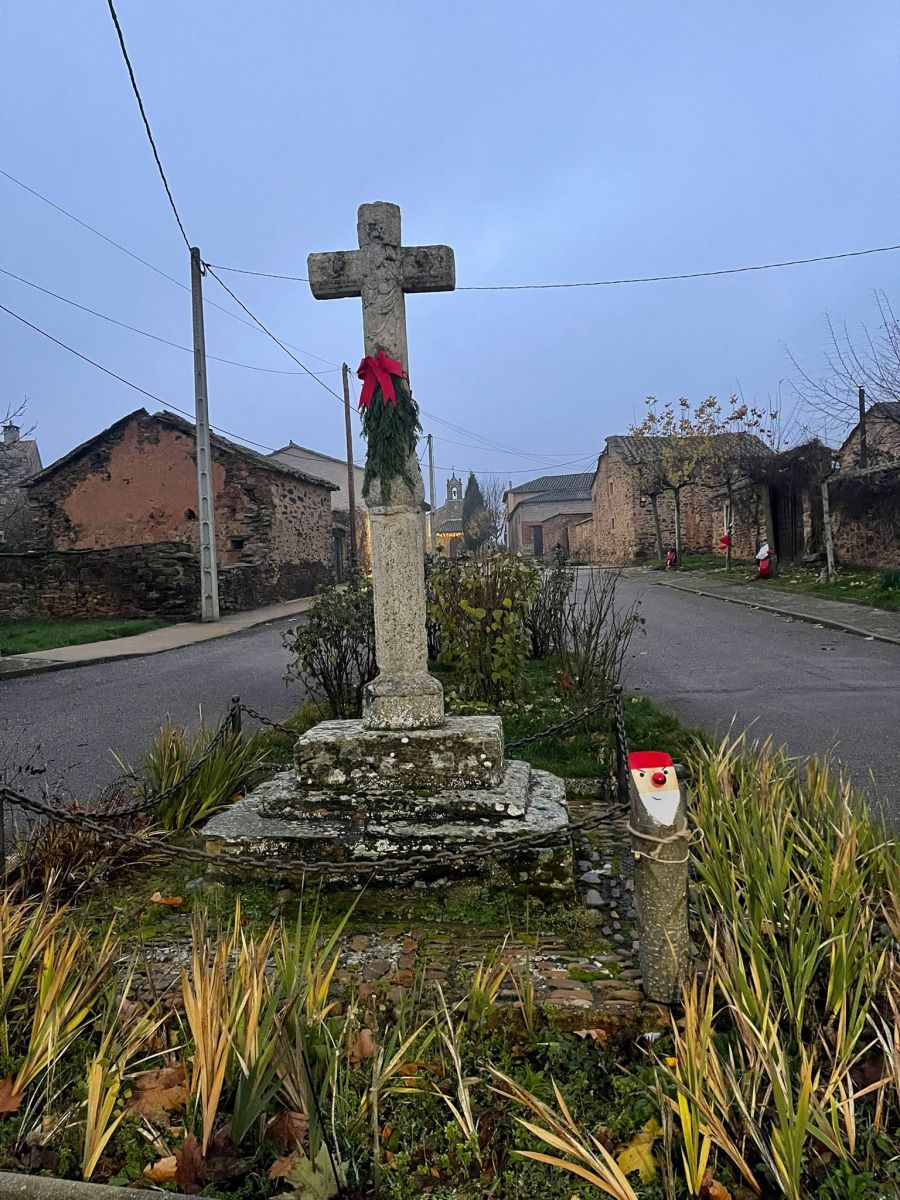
377 371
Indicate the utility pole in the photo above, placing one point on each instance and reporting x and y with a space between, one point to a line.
351 482
863 440
431 538
209 576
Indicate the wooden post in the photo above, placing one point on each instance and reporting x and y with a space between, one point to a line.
659 840
351 482
206 514
863 440
431 493
829 539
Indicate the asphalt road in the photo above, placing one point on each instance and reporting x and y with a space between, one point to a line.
710 662
814 690
72 722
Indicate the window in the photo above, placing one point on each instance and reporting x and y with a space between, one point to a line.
237 543
190 515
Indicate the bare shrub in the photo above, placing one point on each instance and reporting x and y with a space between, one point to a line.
556 581
591 638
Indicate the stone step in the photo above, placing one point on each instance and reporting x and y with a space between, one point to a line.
286 797
369 839
463 754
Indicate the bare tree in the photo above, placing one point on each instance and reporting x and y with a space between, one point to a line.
859 368
492 491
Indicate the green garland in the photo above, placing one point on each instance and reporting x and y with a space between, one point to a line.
391 432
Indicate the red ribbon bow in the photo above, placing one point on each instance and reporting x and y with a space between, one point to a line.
377 371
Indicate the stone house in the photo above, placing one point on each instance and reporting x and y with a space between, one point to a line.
882 438
20 460
541 513
627 504
325 466
116 531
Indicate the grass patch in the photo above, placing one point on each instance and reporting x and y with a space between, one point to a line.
878 588
24 637
578 753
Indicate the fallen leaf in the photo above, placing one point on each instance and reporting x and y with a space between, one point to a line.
168 901
160 1091
162 1171
281 1168
711 1189
287 1130
222 1159
638 1154
600 1036
189 1166
363 1046
9 1100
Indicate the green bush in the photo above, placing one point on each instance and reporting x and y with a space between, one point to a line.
482 608
890 579
225 771
333 651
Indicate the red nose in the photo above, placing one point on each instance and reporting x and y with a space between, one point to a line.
658 778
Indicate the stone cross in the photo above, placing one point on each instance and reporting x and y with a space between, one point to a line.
381 272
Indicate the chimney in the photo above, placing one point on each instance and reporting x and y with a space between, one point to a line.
10 434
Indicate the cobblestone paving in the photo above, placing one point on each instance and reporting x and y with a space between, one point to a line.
595 967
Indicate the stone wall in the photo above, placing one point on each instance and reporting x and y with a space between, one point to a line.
125 581
581 540
147 580
865 518
558 531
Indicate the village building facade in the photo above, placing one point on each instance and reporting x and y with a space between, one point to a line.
20 460
541 513
634 517
325 466
115 529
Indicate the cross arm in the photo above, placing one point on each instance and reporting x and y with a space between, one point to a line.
334 276
428 269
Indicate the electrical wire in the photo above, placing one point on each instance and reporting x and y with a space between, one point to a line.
268 331
143 261
154 337
592 283
121 378
260 274
143 112
772 266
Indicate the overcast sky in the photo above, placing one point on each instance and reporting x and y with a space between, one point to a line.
544 142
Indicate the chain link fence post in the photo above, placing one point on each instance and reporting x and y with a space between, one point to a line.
234 716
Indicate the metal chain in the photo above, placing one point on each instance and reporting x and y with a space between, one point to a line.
264 720
152 801
390 866
561 726
621 745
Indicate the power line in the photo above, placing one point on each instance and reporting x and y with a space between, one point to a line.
145 333
121 378
525 287
793 262
143 261
277 342
140 103
261 274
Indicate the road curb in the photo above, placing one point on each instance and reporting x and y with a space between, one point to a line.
30 666
841 626
43 1187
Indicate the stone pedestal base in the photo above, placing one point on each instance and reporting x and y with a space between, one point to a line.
367 796
403 702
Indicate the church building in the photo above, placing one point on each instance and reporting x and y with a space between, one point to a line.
446 521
